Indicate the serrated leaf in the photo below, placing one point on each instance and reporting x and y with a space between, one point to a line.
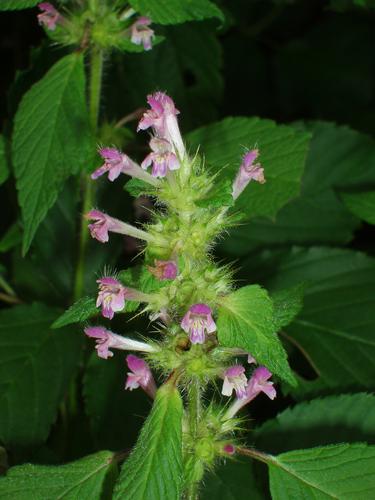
339 159
335 327
51 139
82 479
287 304
282 154
245 320
232 481
17 4
361 204
107 401
81 310
36 366
345 472
175 11
334 419
4 169
154 468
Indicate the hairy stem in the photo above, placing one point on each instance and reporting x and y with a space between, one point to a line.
96 71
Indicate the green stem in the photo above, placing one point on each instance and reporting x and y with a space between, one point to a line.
96 71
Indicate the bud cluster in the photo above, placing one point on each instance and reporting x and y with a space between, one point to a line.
184 302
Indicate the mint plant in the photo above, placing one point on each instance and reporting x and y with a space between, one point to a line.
186 307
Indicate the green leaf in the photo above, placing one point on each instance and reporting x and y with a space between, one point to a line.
175 11
136 187
232 481
282 154
220 195
81 310
287 304
82 479
17 4
345 472
154 468
335 327
334 419
4 169
107 401
338 160
11 238
36 366
51 139
245 320
361 204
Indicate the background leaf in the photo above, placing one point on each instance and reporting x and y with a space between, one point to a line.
36 366
287 304
17 4
340 471
282 154
82 479
174 11
361 204
4 169
81 310
335 327
154 468
334 419
245 320
51 139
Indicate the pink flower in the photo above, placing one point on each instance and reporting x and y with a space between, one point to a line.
116 163
140 376
235 378
162 158
259 382
247 172
197 321
103 224
49 16
229 449
105 340
141 34
164 270
162 118
111 296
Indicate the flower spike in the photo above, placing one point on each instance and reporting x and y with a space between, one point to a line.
162 118
197 321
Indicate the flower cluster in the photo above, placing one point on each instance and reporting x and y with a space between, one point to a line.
186 285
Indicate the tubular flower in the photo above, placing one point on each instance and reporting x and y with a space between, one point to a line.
259 382
105 223
235 379
197 321
162 118
247 172
111 296
164 270
49 17
116 163
105 340
162 158
140 376
141 34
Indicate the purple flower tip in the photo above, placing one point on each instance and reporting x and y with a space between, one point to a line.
235 379
140 375
103 340
49 16
247 172
259 383
141 33
229 449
